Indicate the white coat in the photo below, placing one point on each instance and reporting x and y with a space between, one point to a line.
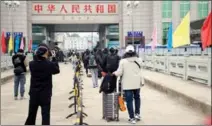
131 73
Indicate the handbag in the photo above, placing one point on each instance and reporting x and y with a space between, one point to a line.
121 100
142 79
122 105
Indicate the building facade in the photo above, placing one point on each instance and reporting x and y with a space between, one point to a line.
147 15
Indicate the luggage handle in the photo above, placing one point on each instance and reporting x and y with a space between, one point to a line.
117 86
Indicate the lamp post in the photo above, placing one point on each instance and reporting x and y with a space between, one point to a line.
12 5
131 5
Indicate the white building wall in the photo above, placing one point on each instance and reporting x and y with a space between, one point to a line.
142 19
79 43
157 19
20 19
175 14
145 15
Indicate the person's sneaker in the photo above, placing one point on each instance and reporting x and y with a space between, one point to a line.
132 121
16 98
22 98
137 117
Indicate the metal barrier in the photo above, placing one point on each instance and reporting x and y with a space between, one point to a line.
77 96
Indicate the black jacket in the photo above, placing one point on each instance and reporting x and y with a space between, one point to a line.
41 76
21 58
112 65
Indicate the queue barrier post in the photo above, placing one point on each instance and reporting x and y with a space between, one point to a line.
77 96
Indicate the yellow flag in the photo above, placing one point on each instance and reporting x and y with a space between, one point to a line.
181 35
10 45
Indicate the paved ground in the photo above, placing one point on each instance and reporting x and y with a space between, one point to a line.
157 108
195 90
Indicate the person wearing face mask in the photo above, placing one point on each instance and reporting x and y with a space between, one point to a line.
40 92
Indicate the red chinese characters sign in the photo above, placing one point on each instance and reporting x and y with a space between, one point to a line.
74 8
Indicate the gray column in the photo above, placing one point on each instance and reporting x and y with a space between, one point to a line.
20 18
157 18
194 10
209 7
175 14
121 34
29 22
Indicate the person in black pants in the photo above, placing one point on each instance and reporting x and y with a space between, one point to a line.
85 60
41 84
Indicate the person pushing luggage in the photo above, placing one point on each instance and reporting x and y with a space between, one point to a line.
130 70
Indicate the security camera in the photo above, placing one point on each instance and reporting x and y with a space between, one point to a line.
136 3
128 3
7 3
16 3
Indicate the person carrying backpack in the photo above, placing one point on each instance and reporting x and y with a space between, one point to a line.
20 63
112 63
93 66
99 57
104 59
85 60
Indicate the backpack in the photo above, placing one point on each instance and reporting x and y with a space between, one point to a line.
18 69
92 61
106 86
112 63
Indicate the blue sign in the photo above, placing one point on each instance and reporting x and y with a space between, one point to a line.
114 44
34 46
14 34
135 34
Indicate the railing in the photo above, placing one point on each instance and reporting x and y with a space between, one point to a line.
176 51
6 61
197 68
186 62
77 96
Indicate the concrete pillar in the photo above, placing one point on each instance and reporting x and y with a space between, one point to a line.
29 22
194 10
157 18
209 7
20 19
121 31
175 14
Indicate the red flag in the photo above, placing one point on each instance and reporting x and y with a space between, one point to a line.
206 32
30 46
3 43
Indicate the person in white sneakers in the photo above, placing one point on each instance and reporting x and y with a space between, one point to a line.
132 80
20 63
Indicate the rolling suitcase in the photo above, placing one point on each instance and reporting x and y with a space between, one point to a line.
111 106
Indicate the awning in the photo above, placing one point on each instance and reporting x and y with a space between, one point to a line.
112 36
196 25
